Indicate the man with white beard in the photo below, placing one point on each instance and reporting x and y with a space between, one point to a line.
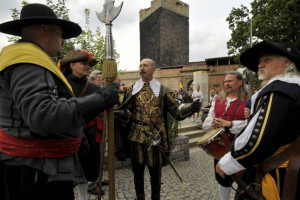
275 117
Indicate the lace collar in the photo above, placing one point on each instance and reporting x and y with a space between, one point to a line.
154 85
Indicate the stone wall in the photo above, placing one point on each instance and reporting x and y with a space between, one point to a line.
171 77
168 77
175 6
181 148
164 34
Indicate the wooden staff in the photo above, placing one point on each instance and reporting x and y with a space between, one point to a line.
102 153
109 73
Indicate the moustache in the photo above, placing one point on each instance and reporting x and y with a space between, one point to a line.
142 72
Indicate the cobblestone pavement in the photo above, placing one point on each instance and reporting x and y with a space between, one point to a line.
197 174
198 179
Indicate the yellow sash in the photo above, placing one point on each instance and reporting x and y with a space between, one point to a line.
24 52
269 188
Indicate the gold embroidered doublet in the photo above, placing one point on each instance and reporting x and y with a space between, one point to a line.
148 116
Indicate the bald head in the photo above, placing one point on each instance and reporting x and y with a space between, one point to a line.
152 62
147 69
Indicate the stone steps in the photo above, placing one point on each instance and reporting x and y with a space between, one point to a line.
187 127
193 132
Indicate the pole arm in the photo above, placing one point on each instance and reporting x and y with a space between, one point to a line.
109 50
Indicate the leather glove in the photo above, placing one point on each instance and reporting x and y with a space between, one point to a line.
91 105
123 115
195 106
110 94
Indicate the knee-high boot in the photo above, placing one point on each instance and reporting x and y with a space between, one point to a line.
138 172
139 187
155 173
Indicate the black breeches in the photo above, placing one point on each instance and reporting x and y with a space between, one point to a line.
21 182
138 170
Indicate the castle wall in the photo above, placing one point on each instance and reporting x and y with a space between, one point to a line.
172 77
164 33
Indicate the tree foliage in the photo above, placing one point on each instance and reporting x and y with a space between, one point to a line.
92 41
273 20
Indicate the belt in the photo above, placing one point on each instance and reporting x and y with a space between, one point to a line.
142 123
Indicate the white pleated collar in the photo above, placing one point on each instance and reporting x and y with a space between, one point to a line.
154 85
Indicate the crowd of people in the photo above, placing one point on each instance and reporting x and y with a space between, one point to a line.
51 118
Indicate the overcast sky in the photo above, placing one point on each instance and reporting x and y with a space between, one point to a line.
209 30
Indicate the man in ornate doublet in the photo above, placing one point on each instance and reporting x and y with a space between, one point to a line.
267 147
148 103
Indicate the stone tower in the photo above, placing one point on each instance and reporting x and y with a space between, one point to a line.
164 32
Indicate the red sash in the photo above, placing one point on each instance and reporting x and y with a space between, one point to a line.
99 123
37 148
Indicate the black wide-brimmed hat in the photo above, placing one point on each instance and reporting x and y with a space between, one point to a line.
39 14
250 57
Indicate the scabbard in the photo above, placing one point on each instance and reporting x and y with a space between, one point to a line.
167 158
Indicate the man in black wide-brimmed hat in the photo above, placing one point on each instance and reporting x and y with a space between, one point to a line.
40 119
268 148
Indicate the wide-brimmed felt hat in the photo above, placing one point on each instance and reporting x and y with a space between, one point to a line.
74 56
35 13
250 57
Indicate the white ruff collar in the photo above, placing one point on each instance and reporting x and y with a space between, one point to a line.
154 85
288 79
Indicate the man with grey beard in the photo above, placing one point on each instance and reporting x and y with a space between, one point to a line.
275 120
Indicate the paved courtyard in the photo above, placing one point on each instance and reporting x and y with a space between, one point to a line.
197 174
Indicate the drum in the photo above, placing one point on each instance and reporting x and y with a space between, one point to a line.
215 142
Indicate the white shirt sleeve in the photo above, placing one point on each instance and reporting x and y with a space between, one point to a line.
206 126
238 126
193 95
228 164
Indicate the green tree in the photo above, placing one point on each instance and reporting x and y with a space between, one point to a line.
239 25
272 20
93 42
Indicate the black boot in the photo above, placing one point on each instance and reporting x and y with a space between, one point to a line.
139 188
138 171
155 173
